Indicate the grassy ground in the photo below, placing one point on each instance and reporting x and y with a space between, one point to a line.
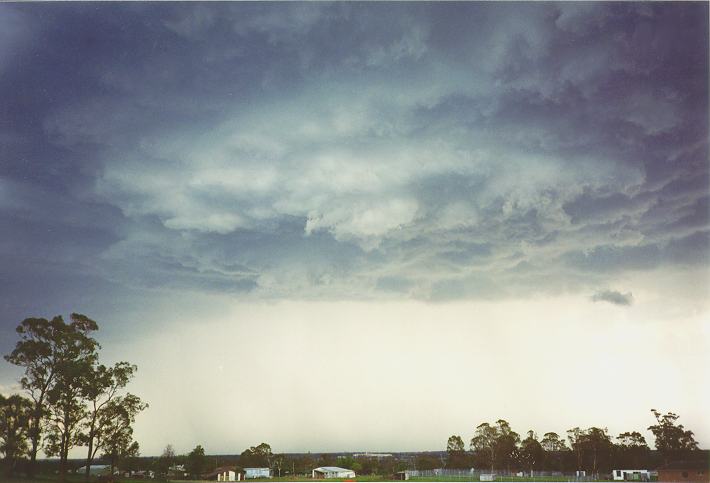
80 479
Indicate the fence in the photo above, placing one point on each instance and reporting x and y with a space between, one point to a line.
474 474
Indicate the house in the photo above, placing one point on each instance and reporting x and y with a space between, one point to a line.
332 472
682 471
631 475
257 473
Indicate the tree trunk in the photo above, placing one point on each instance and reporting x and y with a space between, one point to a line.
34 437
90 456
113 465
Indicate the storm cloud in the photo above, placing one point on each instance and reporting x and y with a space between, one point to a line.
331 151
444 189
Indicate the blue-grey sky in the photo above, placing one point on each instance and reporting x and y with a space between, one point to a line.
164 163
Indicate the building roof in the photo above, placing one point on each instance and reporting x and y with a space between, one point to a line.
331 469
264 468
218 471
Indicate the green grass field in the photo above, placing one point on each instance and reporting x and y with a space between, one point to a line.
80 479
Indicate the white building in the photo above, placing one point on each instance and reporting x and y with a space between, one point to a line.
332 472
631 475
372 455
95 470
227 476
257 473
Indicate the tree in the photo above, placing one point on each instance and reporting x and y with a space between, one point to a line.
278 462
633 450
163 463
593 448
600 446
672 439
43 346
531 452
256 456
456 453
424 461
484 443
507 443
552 442
66 409
575 437
15 414
116 421
196 462
102 387
555 449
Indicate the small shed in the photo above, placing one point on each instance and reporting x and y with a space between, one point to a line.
227 475
257 473
682 471
323 472
95 470
631 475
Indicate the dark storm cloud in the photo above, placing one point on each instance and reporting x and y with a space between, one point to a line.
436 151
613 297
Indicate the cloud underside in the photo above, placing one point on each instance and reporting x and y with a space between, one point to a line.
613 297
355 151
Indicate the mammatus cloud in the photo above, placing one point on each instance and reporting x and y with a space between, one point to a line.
434 152
613 297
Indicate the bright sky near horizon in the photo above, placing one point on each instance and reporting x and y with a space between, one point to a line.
365 226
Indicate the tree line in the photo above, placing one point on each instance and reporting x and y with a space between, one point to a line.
497 447
70 399
197 465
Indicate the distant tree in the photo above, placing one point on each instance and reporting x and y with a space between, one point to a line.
164 461
672 439
593 448
484 444
555 451
507 443
600 446
576 442
532 453
256 457
303 464
278 463
196 462
103 385
326 459
552 442
455 444
15 415
424 461
116 422
368 466
43 346
632 449
456 453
